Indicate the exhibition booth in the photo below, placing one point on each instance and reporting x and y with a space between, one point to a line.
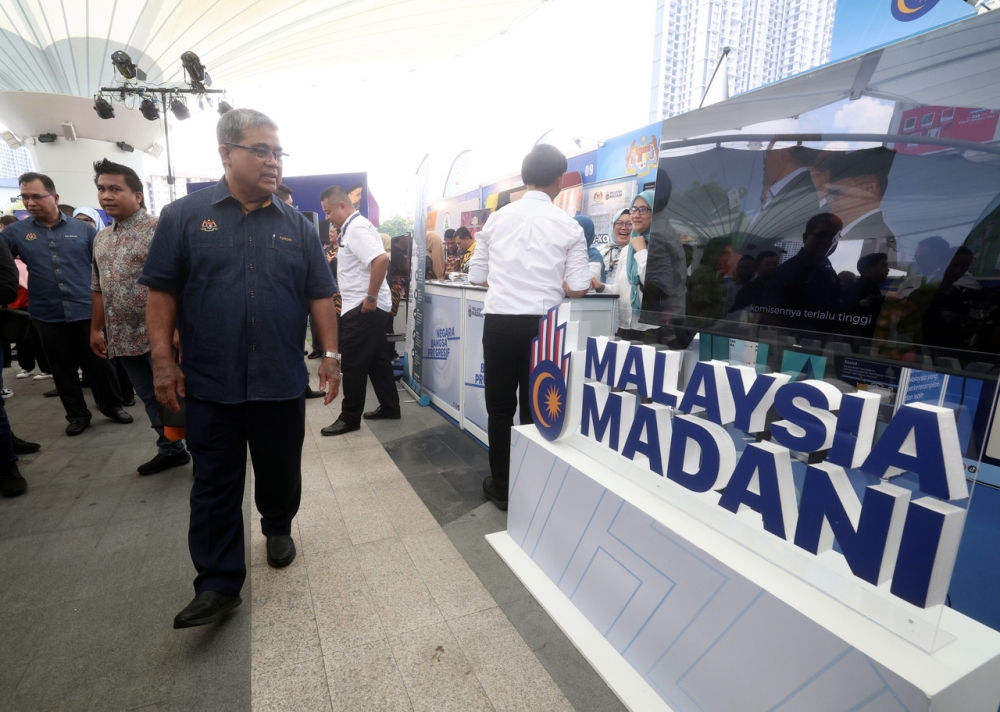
785 493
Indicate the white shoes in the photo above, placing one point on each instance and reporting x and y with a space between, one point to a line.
23 374
41 376
6 393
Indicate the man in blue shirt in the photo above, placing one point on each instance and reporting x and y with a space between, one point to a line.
237 271
58 252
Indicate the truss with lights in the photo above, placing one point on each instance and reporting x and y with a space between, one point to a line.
153 97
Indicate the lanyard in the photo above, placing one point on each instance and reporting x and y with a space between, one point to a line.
343 229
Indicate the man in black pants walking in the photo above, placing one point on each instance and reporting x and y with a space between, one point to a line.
361 268
58 252
530 254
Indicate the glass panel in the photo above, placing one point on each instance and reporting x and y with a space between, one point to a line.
873 270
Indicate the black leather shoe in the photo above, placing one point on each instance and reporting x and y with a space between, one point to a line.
207 607
310 393
23 447
381 413
128 403
340 427
495 494
51 394
163 462
315 354
280 551
77 427
117 414
12 484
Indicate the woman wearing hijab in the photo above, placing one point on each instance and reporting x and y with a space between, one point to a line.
630 272
621 234
593 254
434 268
89 216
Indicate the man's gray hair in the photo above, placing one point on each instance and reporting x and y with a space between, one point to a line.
234 123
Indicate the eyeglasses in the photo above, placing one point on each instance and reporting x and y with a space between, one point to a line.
622 223
34 198
641 210
261 152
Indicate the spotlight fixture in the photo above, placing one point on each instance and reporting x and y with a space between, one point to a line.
103 108
180 110
224 106
148 110
196 73
47 138
125 147
126 67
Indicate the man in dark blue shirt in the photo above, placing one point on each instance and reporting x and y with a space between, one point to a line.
237 271
58 252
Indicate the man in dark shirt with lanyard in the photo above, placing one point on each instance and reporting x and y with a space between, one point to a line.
237 271
58 252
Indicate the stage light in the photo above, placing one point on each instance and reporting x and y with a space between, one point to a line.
103 108
126 67
196 73
47 138
125 147
180 110
148 109
224 106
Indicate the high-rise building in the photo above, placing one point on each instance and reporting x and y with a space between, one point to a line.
768 40
14 162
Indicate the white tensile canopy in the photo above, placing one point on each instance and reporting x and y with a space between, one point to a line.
64 46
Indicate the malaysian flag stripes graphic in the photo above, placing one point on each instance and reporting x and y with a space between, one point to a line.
550 343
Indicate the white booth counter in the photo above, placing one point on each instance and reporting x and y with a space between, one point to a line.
453 347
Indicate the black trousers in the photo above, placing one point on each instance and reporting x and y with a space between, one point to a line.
366 354
30 352
217 436
67 344
506 363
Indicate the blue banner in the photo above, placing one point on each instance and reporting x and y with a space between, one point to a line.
862 25
633 154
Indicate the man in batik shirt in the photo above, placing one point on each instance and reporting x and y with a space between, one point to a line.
120 301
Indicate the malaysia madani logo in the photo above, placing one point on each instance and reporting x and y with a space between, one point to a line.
909 10
549 371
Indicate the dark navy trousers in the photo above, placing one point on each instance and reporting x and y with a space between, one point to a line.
217 436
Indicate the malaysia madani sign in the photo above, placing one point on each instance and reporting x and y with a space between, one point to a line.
627 398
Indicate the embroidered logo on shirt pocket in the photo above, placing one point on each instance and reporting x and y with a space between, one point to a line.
209 226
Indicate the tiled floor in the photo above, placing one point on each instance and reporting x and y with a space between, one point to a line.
395 602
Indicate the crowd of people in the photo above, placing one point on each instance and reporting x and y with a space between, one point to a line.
203 311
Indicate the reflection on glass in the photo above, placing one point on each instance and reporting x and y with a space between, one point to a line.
890 254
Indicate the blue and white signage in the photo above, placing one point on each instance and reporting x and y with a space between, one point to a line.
628 399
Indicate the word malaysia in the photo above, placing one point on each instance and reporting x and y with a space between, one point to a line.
886 538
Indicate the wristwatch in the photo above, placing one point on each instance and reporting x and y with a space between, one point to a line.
371 297
332 354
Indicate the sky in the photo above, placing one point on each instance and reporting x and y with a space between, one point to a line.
573 65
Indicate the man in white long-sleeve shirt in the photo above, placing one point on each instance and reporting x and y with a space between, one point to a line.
530 254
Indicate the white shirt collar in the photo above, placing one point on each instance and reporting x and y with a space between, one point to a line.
779 185
847 228
536 195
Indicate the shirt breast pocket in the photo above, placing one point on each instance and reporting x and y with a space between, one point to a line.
285 261
210 258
